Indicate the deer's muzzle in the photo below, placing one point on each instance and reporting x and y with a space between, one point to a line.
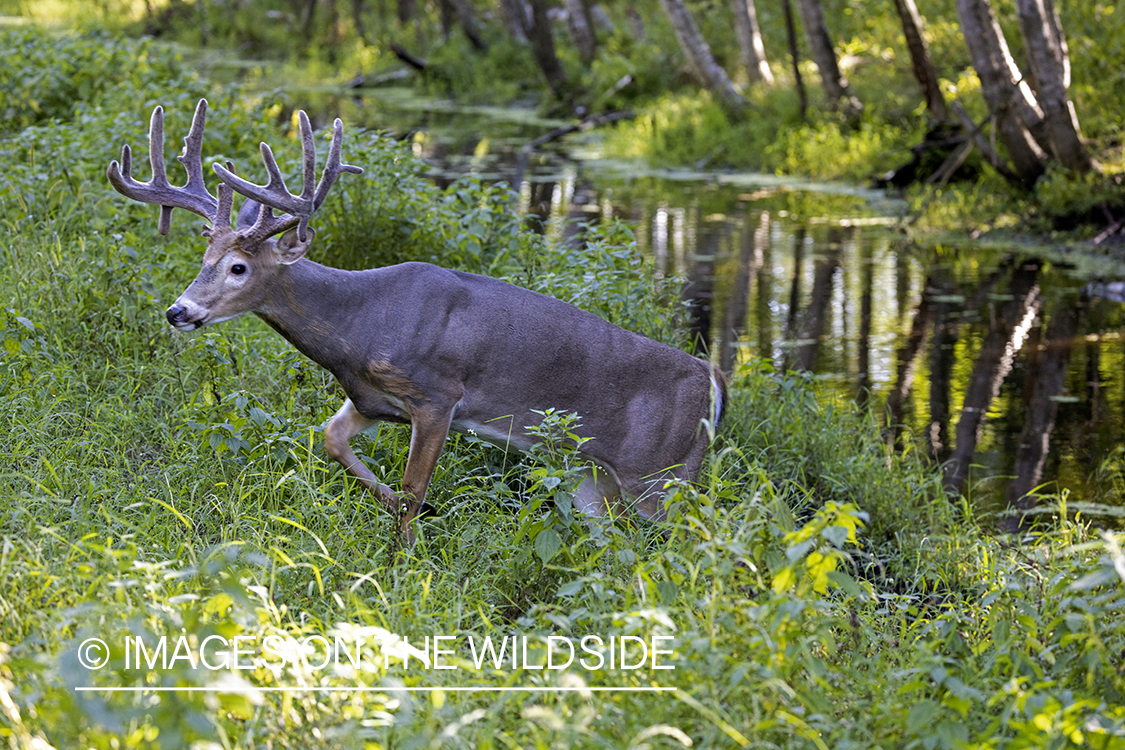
180 317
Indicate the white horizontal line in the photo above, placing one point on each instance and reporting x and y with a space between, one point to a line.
373 688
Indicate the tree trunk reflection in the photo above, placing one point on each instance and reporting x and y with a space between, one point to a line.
863 376
735 313
1006 334
1049 378
908 355
811 326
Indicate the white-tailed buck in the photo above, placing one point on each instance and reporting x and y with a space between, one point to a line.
434 348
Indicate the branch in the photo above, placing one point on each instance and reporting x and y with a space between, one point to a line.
989 153
582 126
412 60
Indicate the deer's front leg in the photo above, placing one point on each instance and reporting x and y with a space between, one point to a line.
429 429
346 424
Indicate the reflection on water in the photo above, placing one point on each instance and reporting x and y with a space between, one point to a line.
1001 367
1006 369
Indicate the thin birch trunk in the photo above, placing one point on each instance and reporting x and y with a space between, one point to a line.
514 16
794 57
578 17
702 61
835 83
1010 100
543 46
468 22
1050 65
753 52
920 59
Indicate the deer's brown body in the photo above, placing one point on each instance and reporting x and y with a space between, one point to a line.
439 349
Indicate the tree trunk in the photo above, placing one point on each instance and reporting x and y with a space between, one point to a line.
794 57
357 19
753 52
637 24
306 21
405 11
514 15
920 58
1050 65
835 83
578 17
699 55
543 46
469 23
1009 98
333 31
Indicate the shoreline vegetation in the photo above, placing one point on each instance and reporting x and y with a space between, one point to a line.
895 107
822 590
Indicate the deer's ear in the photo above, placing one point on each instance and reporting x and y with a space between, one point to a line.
289 249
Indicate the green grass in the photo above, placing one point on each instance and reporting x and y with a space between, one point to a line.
821 592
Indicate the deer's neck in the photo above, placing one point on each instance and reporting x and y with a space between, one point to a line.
314 307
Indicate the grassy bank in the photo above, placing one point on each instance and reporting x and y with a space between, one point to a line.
819 591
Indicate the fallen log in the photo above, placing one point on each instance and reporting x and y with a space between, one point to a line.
413 61
582 126
365 82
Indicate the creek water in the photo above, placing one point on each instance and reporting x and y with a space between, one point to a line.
1006 367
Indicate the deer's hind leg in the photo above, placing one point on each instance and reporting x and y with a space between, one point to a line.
596 493
428 430
346 424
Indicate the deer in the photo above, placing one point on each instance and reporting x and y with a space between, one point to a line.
438 349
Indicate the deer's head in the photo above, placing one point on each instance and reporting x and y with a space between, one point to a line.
241 262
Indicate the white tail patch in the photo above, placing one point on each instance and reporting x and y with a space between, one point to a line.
717 401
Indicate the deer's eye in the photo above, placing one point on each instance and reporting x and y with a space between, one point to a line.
238 269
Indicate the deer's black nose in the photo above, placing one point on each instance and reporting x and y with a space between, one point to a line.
175 314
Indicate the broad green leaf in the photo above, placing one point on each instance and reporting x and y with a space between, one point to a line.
547 544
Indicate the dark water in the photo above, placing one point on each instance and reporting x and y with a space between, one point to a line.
1005 367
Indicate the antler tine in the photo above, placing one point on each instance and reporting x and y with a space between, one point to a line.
275 195
193 196
308 156
267 225
334 167
156 148
222 213
192 155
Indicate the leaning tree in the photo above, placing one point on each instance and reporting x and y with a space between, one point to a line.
701 59
1038 123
